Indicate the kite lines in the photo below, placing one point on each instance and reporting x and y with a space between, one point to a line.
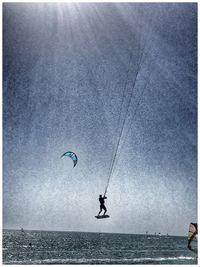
122 119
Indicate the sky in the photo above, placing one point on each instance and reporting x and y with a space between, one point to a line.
117 84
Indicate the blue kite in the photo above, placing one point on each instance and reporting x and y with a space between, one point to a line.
72 155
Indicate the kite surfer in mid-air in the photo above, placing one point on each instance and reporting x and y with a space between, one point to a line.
102 206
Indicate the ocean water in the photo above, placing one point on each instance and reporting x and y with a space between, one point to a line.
48 247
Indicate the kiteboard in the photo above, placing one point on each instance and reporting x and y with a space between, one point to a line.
102 216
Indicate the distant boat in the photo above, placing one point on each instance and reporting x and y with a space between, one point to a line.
166 235
157 236
22 230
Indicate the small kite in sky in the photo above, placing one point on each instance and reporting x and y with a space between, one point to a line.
72 155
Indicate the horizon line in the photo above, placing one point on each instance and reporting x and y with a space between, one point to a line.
78 231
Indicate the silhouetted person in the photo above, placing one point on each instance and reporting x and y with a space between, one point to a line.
102 206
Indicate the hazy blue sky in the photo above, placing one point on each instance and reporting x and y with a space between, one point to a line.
84 77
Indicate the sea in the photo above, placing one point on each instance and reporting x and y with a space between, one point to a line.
51 247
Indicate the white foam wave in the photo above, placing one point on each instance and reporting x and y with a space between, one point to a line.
106 260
